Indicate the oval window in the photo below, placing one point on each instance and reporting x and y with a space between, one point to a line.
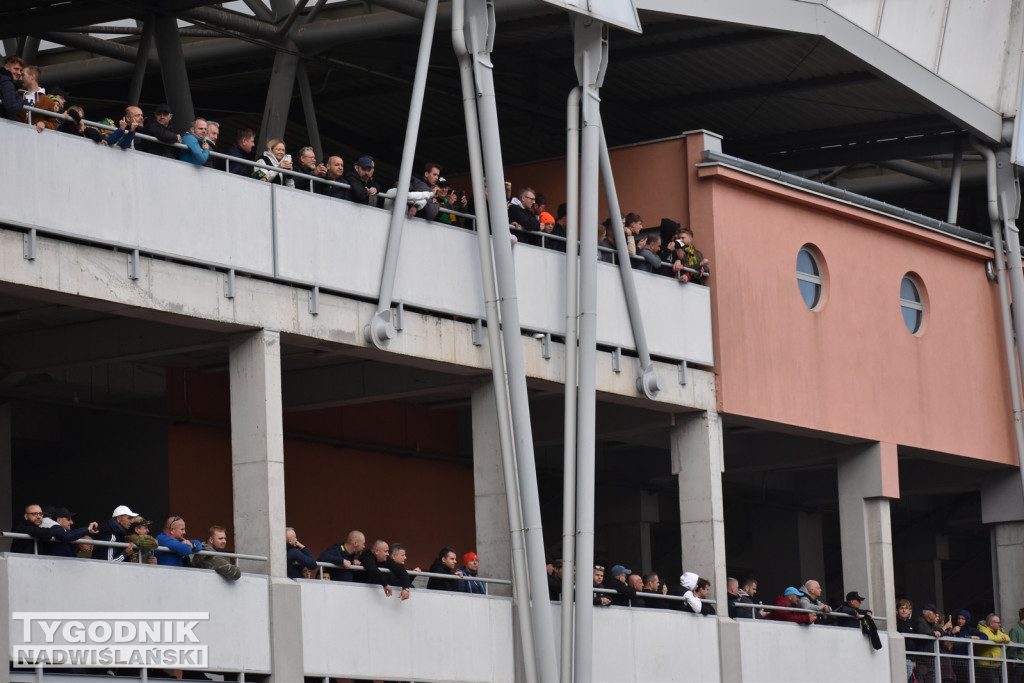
808 277
911 304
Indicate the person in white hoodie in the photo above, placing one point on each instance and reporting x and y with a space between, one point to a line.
696 589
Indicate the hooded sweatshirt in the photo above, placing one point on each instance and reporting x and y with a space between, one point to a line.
689 581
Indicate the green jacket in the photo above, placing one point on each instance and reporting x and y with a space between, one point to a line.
217 564
1017 636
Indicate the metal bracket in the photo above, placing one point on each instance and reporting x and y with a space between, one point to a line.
399 316
545 346
314 300
229 284
29 245
617 359
381 330
478 333
684 373
133 265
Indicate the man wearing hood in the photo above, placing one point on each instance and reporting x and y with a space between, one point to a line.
696 590
960 627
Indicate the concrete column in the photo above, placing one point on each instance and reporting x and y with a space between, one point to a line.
493 544
257 475
1002 506
257 450
698 461
868 478
1007 568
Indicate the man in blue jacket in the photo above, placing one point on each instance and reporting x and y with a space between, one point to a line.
198 148
178 547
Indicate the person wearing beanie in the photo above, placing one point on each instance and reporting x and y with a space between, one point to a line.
471 567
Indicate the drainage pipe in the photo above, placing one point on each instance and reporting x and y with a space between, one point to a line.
954 183
520 582
381 329
481 34
572 286
1004 303
647 381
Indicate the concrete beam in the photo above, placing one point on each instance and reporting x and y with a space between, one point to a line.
493 543
93 277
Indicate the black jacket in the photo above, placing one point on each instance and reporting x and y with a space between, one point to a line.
373 573
439 584
337 554
62 545
26 546
334 190
235 167
299 558
358 189
162 133
9 97
111 531
624 593
526 221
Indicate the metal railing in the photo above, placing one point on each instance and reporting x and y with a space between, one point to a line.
118 544
941 663
413 573
800 610
315 179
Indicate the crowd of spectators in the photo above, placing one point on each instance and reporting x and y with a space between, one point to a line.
666 250
52 532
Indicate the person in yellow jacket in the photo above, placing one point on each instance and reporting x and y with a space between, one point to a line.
991 628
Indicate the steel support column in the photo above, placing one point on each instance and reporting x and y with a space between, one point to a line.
309 109
173 71
481 27
142 60
591 43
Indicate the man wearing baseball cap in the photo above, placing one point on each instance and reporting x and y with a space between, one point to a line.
852 608
113 530
63 534
791 598
471 567
159 126
620 584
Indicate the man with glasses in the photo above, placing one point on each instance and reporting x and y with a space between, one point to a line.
520 214
33 526
178 547
307 164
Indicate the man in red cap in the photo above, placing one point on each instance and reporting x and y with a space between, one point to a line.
471 567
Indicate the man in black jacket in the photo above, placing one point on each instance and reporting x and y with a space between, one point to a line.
520 212
32 525
10 77
376 557
362 186
344 555
619 583
444 564
159 126
113 530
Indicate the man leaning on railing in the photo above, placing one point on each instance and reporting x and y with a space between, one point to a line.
217 540
33 526
988 670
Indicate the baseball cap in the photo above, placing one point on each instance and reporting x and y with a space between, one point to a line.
792 591
123 510
163 109
854 595
63 512
619 570
365 162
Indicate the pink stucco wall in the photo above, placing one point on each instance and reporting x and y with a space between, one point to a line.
851 367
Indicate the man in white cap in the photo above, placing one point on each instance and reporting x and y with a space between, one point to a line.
113 530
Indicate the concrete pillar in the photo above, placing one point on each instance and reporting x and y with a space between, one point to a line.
868 479
698 461
493 544
257 476
1002 506
257 450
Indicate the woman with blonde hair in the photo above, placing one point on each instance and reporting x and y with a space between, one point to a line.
275 157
